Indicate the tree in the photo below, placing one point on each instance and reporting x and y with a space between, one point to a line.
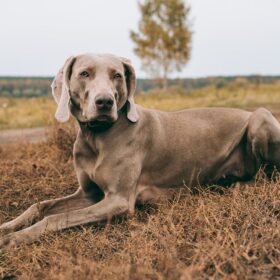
164 37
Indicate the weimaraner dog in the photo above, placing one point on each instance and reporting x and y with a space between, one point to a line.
123 149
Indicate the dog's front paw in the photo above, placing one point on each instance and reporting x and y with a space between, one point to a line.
6 242
6 228
13 239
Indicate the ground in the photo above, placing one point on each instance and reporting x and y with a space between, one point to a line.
203 233
24 134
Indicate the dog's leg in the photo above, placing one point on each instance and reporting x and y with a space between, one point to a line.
264 135
111 205
48 207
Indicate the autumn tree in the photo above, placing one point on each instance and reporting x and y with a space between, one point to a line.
164 36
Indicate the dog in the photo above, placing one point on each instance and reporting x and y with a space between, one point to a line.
123 149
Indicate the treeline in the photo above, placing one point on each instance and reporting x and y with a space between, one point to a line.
217 82
40 86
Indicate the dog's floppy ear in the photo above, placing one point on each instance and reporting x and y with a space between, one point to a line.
130 77
60 90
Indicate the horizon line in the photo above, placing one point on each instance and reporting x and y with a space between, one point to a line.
150 78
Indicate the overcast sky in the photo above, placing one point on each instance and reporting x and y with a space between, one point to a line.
230 36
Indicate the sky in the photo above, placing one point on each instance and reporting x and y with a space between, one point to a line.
230 37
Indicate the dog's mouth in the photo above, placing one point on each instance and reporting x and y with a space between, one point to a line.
99 121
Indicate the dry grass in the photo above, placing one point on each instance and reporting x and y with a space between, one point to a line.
223 233
26 112
240 97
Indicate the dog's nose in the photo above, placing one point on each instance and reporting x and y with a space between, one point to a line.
104 102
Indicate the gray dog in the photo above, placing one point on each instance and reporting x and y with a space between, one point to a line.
123 149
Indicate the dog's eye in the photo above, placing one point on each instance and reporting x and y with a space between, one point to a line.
117 76
84 74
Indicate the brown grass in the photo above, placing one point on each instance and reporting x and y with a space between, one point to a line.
223 233
26 112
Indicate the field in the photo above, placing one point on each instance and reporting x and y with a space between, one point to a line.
26 112
39 111
204 233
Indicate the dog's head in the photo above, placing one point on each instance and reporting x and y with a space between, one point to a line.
95 88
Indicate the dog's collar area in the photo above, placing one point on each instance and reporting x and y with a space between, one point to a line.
97 126
91 124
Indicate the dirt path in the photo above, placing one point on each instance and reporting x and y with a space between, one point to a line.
23 135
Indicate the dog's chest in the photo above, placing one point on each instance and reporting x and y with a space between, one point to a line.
92 162
86 161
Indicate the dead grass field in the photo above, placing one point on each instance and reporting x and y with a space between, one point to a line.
209 233
26 112
206 233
